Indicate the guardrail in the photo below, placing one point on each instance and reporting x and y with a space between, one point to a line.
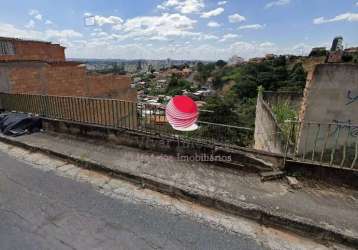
331 144
121 114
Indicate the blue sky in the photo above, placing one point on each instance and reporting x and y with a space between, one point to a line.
182 29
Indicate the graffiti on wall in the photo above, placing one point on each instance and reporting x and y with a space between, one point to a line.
345 125
351 99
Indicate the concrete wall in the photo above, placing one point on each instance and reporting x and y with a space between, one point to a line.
268 135
294 99
331 96
241 158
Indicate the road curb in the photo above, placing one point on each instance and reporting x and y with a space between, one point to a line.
251 211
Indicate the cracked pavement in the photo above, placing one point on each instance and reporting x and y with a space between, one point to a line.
47 203
40 210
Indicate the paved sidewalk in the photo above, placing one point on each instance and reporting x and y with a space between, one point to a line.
333 209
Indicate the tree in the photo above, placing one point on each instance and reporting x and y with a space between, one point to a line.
225 111
222 111
347 58
204 71
220 63
176 85
139 66
118 70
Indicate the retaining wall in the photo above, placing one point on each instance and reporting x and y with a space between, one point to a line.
331 96
268 135
241 158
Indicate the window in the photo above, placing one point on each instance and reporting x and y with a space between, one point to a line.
7 48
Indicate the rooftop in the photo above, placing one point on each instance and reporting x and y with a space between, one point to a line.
25 40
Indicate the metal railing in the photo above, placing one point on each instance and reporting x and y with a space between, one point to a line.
330 144
152 119
105 112
120 114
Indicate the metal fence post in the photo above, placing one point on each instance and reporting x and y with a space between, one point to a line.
1 102
287 143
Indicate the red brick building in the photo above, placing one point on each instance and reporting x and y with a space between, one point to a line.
12 49
335 57
35 67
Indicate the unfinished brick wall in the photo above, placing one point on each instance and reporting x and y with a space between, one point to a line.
62 79
110 86
33 67
22 73
66 80
34 51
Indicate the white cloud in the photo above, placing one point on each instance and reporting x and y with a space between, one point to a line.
30 24
350 17
164 25
212 13
266 44
213 24
304 49
35 15
158 38
202 37
236 18
184 6
252 27
185 50
357 4
111 20
100 34
61 34
9 30
149 28
210 37
33 12
277 3
171 36
253 49
228 36
222 3
105 50
38 17
48 22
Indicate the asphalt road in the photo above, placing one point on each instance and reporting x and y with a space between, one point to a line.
40 210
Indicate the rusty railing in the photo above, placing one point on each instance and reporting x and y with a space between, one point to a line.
330 144
121 114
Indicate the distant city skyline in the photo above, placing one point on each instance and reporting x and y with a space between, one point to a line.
182 29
